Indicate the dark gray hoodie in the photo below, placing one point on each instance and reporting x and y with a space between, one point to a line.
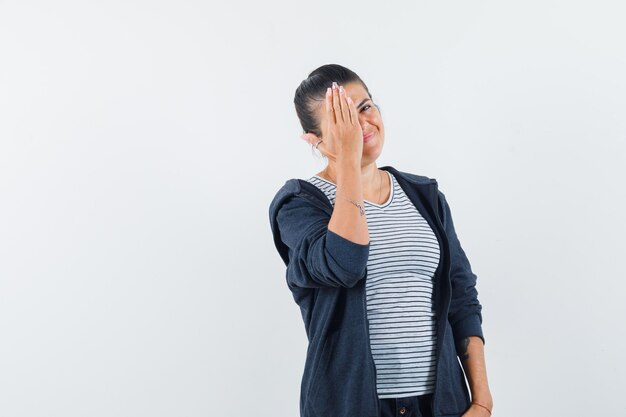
326 274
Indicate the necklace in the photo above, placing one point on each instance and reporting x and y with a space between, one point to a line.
380 187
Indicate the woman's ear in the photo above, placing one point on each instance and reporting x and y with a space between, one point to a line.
310 137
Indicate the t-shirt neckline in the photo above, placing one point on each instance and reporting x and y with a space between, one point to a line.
386 203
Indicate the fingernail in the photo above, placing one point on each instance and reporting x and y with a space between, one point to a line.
341 88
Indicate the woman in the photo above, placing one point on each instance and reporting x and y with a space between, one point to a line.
386 292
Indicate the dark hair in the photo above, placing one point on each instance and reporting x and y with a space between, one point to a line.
313 89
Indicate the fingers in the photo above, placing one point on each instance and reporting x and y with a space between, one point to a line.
352 110
345 106
330 111
337 103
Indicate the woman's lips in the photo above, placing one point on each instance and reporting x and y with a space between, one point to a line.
368 137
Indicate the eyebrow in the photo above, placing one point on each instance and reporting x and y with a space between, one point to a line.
362 102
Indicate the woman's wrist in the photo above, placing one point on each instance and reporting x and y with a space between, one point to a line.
484 399
482 406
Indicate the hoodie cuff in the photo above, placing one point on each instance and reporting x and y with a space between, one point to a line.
350 256
469 326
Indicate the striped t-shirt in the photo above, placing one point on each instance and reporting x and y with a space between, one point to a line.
403 257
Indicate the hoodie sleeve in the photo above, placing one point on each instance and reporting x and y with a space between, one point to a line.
318 257
465 309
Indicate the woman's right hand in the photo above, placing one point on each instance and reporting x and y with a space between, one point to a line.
343 136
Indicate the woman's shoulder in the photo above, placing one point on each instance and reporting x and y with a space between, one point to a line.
297 189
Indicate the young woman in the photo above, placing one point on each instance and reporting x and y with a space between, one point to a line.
387 295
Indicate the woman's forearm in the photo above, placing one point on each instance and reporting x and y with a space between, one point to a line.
473 361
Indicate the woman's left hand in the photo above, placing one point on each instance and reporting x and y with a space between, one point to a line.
476 411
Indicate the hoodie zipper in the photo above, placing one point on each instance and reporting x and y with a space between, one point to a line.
369 347
442 274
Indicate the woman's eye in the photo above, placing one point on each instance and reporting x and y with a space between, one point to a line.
364 107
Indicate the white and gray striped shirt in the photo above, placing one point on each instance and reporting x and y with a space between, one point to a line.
404 254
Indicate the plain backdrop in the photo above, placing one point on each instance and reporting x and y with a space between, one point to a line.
141 143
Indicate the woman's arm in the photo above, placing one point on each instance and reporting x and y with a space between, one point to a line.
318 256
473 361
464 313
466 319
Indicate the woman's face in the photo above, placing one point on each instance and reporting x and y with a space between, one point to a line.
369 118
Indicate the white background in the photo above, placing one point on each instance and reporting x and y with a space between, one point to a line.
142 142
